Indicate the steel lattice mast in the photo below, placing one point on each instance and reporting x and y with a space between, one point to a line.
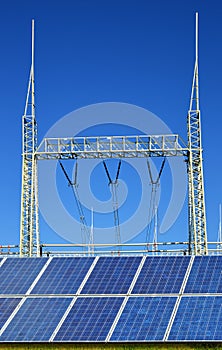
197 213
29 230
140 146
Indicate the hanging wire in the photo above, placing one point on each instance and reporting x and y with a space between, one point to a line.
115 204
153 200
85 232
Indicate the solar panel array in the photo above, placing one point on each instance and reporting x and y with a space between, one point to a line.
111 299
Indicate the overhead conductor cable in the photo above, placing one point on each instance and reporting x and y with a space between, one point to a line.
153 203
84 227
114 185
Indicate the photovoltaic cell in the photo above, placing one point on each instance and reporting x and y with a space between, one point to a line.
7 306
205 275
112 275
161 275
17 275
144 319
36 320
63 276
90 319
198 318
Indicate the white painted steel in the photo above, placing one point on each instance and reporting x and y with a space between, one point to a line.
111 147
196 202
29 230
139 146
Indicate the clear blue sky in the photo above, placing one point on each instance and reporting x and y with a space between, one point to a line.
87 52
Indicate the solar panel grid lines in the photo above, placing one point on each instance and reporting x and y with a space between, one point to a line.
36 319
87 275
62 319
90 319
2 261
7 306
73 300
63 276
162 275
12 315
8 321
125 300
17 274
176 306
206 275
112 275
144 319
136 275
177 312
187 274
38 276
198 318
172 317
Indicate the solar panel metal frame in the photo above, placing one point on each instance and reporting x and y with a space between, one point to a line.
53 278
112 275
127 296
135 321
11 281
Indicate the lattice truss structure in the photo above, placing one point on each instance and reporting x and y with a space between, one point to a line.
29 230
112 147
111 299
197 215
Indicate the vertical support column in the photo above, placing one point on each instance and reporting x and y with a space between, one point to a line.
197 212
29 236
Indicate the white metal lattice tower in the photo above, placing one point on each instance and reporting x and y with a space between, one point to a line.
197 213
29 226
102 147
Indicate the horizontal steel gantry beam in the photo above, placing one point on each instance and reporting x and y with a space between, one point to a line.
112 147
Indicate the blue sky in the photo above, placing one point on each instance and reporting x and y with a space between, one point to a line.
87 52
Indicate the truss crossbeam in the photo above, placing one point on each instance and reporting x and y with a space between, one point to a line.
111 147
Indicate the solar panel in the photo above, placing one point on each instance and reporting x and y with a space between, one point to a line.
90 319
112 275
161 275
18 274
36 319
7 306
198 318
63 276
144 319
206 275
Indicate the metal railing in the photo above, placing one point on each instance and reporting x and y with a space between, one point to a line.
111 147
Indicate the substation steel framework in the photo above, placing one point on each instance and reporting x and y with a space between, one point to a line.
139 146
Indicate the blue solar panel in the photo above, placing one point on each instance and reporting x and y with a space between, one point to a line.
63 276
198 318
36 320
161 275
144 319
112 275
205 275
7 306
18 274
90 319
